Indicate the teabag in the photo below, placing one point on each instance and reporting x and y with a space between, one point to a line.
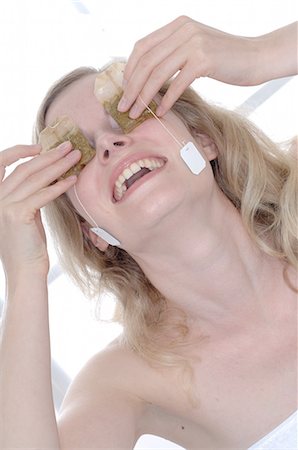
108 90
64 129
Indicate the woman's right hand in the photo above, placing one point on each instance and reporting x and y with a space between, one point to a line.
22 193
192 50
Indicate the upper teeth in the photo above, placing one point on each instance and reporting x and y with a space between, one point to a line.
120 186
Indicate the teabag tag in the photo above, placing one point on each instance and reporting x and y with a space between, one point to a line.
192 158
105 235
189 152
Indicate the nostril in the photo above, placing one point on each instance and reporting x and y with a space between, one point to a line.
106 154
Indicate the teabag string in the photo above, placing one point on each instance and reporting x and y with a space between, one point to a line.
188 151
189 154
105 235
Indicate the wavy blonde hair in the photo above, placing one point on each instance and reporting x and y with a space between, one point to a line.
258 177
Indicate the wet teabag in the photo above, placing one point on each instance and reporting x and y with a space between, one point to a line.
108 90
64 129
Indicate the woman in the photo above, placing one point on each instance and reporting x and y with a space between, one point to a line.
204 272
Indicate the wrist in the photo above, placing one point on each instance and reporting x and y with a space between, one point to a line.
277 54
24 279
28 269
261 59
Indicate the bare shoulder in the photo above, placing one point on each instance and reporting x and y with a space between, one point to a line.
102 407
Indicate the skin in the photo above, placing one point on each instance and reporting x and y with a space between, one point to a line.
234 295
94 180
250 308
186 50
27 418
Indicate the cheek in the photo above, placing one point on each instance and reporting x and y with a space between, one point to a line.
91 182
87 199
202 185
146 129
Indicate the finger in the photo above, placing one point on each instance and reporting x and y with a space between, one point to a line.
150 41
42 179
166 69
41 198
182 81
144 86
25 170
28 208
2 172
149 62
13 154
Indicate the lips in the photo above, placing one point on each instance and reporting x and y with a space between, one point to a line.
131 171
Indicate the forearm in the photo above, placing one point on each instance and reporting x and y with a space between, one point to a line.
277 55
27 418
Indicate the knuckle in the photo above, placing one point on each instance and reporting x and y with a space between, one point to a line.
19 169
139 46
145 62
4 153
33 178
189 27
17 147
197 42
157 76
183 19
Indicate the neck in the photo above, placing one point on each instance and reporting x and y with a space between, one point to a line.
211 270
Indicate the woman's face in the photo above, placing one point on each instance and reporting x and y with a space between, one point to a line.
130 210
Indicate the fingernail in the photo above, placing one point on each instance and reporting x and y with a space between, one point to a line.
159 111
123 105
73 155
135 111
64 146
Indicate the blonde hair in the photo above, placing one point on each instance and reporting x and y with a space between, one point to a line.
256 175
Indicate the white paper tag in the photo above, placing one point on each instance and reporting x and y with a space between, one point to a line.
192 158
105 235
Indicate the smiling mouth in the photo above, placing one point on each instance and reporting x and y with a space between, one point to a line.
134 172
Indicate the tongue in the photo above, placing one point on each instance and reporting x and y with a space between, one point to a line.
136 176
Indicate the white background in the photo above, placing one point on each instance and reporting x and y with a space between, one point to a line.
40 40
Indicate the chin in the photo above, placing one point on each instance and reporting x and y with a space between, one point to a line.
156 208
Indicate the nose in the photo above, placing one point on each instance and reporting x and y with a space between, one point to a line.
109 144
